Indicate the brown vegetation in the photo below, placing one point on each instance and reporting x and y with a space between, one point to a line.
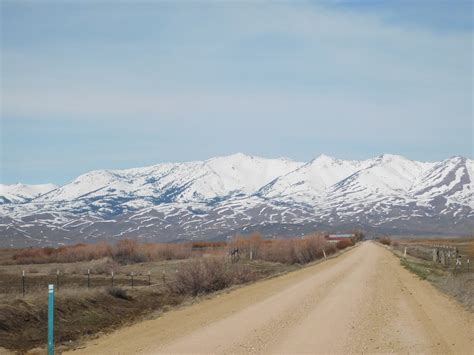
118 292
209 274
385 241
297 250
343 244
125 251
457 281
165 274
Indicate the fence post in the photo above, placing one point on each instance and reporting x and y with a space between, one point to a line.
149 278
405 253
112 278
468 265
50 319
57 279
23 282
324 253
88 278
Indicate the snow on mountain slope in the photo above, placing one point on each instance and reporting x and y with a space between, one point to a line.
451 179
310 181
19 193
192 181
222 196
327 179
385 175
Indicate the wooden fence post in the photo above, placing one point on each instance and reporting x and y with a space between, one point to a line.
23 282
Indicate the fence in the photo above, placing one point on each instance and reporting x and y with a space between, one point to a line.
446 256
33 282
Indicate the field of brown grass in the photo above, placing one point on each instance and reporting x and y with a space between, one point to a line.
164 275
455 280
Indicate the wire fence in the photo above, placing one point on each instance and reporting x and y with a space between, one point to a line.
448 257
27 283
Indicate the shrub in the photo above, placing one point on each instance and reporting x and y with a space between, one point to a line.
128 251
385 240
168 251
118 292
296 250
208 244
249 245
103 268
208 275
64 254
343 244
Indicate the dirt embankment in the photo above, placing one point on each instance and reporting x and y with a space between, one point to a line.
362 301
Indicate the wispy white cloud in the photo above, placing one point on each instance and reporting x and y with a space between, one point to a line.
339 54
295 78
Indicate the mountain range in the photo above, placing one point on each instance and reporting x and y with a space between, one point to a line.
223 196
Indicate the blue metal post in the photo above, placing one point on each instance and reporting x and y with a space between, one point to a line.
51 320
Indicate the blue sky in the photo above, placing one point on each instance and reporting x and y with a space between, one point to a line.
92 85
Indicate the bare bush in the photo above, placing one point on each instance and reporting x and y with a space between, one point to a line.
124 251
296 250
385 241
170 251
103 268
118 292
208 275
343 244
64 254
249 246
128 251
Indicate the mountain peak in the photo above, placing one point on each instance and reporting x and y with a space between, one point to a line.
385 157
234 156
219 196
322 159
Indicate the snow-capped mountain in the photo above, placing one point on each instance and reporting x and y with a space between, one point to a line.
310 182
220 197
20 193
199 181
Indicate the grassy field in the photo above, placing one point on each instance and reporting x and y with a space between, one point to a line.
83 311
455 280
164 276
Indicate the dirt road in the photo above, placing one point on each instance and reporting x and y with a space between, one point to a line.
362 301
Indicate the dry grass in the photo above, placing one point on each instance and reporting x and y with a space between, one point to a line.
177 271
208 275
118 292
288 251
102 308
457 282
385 241
125 251
343 244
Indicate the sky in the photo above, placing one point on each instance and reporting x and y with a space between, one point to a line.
119 84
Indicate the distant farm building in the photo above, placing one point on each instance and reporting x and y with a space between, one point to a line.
338 237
